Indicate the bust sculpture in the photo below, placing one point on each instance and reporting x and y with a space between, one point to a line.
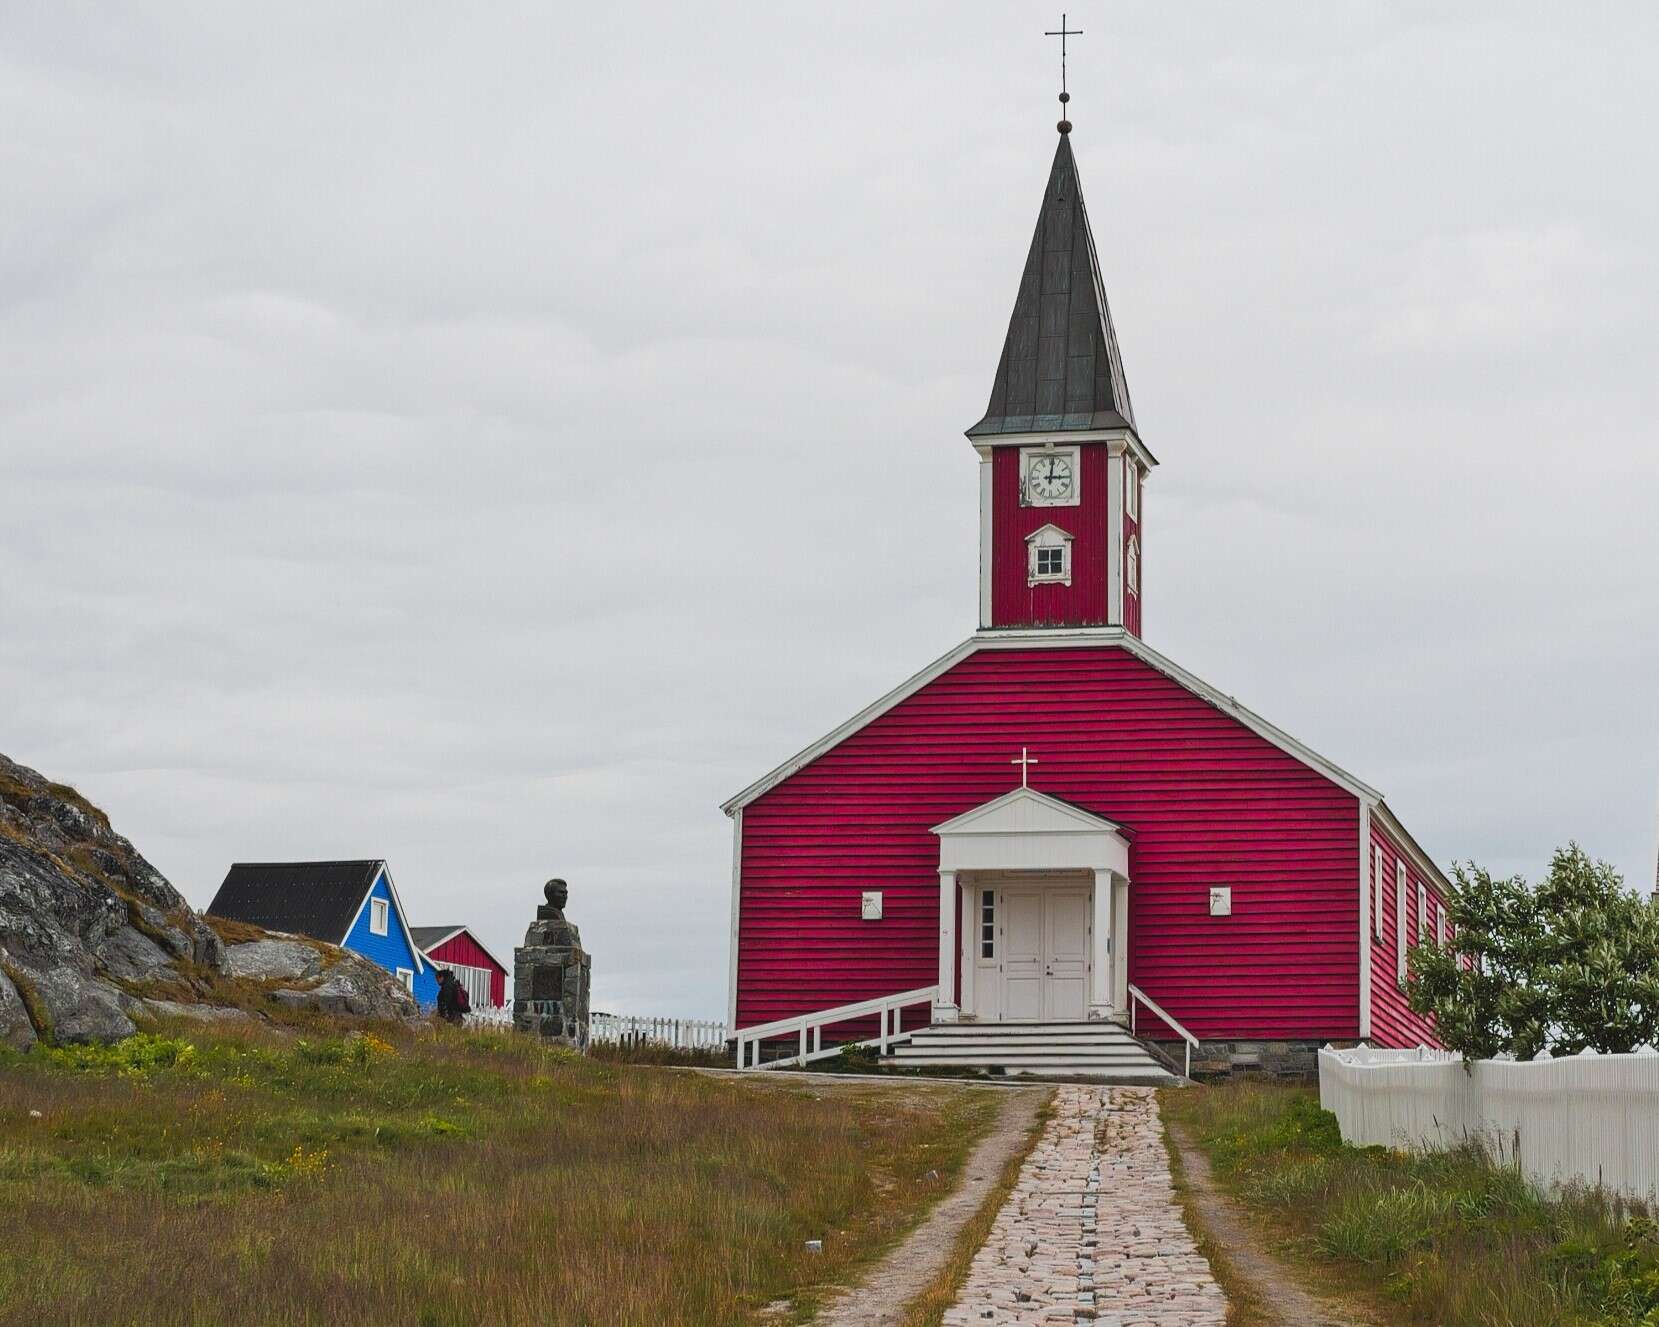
551 974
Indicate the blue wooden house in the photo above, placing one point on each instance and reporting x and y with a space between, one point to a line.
350 904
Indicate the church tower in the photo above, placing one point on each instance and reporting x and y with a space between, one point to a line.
1062 469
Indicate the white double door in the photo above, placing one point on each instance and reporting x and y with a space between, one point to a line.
1045 953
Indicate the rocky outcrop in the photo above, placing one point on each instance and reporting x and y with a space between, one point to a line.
87 925
306 975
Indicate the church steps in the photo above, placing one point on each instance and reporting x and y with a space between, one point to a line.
1098 1050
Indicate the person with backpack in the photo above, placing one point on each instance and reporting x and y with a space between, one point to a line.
453 1003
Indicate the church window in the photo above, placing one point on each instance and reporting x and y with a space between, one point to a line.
1132 566
1440 923
987 923
1049 558
1379 871
1400 906
1131 488
1422 912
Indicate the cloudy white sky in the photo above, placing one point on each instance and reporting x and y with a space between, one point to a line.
487 437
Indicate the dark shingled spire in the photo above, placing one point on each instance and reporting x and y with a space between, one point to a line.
1060 369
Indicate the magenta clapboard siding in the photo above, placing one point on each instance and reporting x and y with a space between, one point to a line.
1392 1022
1014 603
1208 802
462 948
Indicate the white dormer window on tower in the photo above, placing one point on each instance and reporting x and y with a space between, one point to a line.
1132 565
1048 556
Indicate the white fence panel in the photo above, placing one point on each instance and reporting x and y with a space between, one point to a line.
681 1033
1591 1119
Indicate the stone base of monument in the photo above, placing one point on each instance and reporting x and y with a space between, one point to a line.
551 974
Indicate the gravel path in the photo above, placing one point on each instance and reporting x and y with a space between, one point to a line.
880 1298
1279 1296
1092 1232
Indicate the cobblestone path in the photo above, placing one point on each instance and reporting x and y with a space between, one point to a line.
1092 1232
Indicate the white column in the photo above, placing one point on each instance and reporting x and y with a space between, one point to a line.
945 1008
1100 955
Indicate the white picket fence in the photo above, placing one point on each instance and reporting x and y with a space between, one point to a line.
690 1034
1590 1119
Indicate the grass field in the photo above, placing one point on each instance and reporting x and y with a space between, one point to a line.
441 1178
1446 1239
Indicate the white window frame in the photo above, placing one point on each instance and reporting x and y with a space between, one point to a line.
1422 911
1131 487
1400 915
476 981
1440 922
1379 887
407 977
380 916
1030 454
1048 536
1132 565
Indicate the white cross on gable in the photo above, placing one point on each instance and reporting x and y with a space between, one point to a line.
1025 761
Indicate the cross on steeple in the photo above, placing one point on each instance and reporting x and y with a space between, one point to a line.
1025 761
1062 33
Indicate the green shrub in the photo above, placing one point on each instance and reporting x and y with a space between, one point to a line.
136 1056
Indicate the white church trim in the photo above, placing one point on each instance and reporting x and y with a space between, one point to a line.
1027 838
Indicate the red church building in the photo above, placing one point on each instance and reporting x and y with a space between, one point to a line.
1054 830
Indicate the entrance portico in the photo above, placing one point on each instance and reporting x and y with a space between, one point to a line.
1047 888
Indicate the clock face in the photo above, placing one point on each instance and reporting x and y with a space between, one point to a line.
1050 477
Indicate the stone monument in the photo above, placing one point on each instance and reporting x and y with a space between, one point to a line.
550 975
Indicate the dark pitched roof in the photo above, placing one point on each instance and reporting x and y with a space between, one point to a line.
319 899
1060 369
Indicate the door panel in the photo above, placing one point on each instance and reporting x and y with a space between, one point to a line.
1022 954
1066 954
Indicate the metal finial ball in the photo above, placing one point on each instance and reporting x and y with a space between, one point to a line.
1064 98
1064 126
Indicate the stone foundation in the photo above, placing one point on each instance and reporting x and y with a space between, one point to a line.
1238 1059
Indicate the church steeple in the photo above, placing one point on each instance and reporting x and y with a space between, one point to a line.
1062 466
1061 370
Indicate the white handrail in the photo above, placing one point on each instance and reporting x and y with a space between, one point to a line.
1137 995
803 1025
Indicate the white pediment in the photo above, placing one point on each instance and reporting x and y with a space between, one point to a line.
1026 811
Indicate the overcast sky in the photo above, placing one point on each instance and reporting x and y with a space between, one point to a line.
488 437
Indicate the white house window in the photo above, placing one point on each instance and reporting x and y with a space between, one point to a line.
1422 912
1132 566
407 977
379 912
1048 561
1379 883
1440 923
987 923
1131 488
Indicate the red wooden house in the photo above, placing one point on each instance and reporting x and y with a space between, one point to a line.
455 947
1054 824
